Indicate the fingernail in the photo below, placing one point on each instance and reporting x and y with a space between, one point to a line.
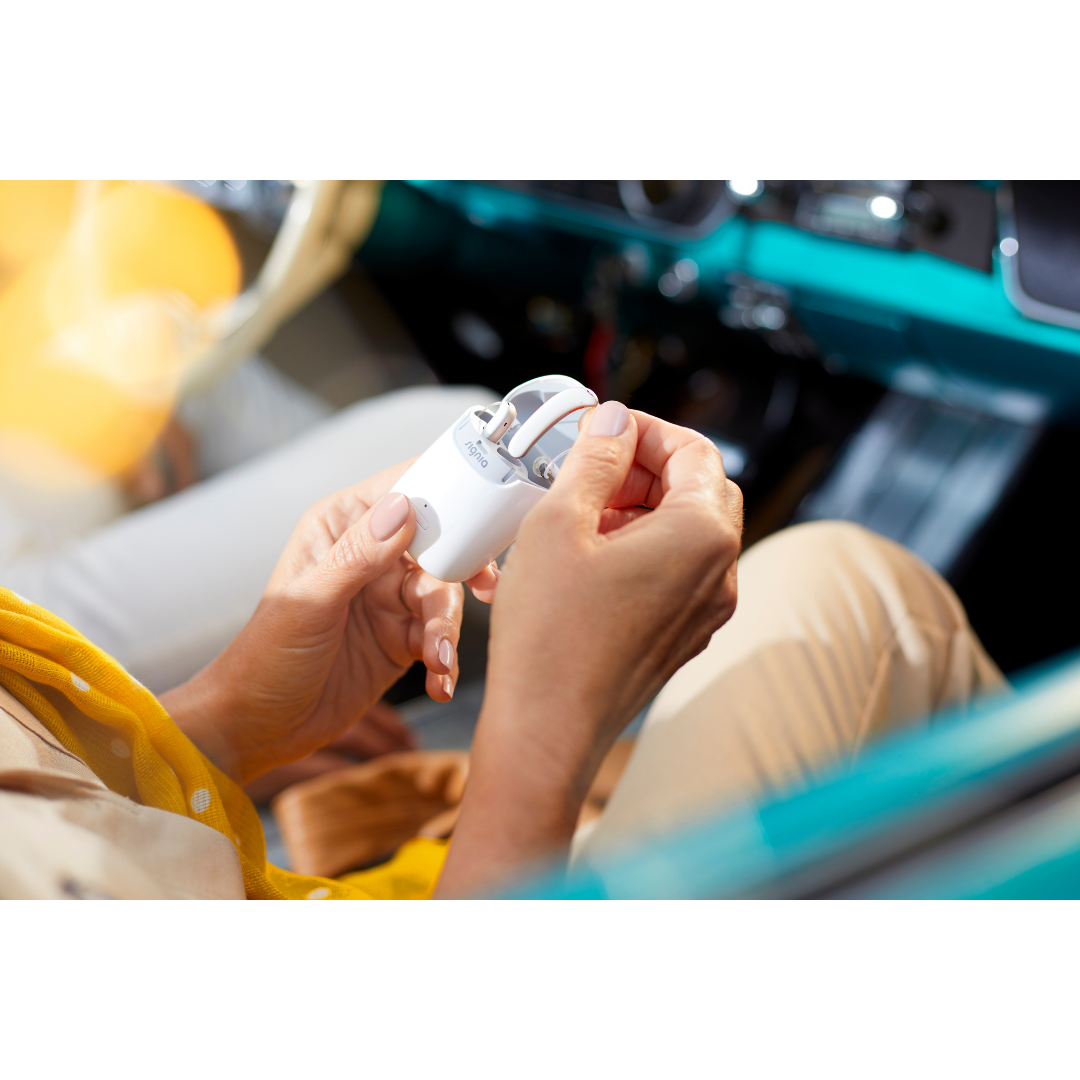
609 419
446 653
496 571
389 516
448 686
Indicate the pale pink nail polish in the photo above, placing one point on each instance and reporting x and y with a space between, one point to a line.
448 686
446 653
389 515
610 418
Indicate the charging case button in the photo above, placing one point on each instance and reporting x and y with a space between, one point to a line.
420 505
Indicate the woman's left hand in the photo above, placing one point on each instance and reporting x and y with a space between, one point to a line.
346 613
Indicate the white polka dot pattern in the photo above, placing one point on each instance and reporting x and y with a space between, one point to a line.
200 800
19 596
318 894
120 748
80 684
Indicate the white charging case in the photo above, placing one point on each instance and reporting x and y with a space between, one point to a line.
470 495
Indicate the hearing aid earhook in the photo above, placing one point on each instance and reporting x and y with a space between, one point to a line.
547 416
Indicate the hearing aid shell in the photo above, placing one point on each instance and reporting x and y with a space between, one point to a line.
470 494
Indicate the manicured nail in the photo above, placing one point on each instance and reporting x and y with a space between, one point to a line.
448 686
389 515
446 653
496 571
609 419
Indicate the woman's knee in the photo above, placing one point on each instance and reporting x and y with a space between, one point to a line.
821 561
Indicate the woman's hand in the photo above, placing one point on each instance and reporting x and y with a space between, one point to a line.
344 616
381 730
618 577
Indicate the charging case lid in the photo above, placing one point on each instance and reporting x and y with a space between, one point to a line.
527 398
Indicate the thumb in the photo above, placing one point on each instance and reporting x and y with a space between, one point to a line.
600 460
365 551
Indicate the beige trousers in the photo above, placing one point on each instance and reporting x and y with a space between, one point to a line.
839 636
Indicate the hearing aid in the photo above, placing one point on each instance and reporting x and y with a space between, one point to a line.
472 488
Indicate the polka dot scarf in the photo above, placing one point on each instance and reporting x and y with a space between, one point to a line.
100 713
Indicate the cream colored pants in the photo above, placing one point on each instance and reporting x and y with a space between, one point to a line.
838 637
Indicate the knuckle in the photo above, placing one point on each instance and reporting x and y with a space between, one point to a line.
350 552
605 453
419 584
735 503
709 448
716 534
442 600
731 536
451 604
310 518
410 590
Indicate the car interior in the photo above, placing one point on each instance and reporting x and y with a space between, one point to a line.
900 354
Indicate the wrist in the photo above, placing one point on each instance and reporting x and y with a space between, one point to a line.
521 804
201 709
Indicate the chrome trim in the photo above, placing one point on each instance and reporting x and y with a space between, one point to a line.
1010 269
637 206
642 226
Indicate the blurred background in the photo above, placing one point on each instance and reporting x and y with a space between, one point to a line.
904 354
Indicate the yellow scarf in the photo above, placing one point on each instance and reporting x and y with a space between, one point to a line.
111 721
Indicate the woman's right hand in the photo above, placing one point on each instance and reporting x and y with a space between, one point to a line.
618 577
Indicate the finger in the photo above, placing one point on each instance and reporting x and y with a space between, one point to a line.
368 739
344 508
387 719
652 472
598 463
484 584
640 488
691 496
381 730
438 606
363 553
371 742
613 519
639 483
441 687
265 787
684 460
703 528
